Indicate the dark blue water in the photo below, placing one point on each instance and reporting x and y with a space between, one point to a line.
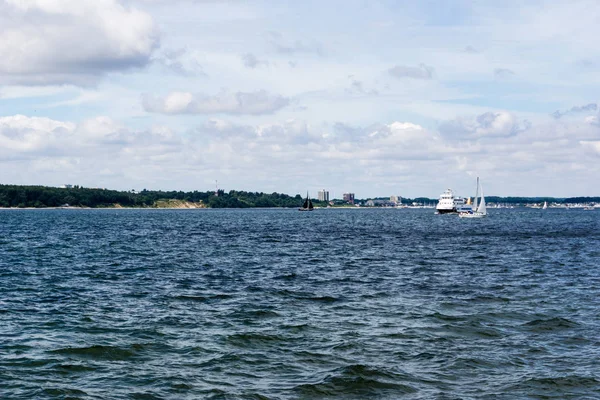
278 304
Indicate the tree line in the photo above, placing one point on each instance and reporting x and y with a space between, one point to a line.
43 196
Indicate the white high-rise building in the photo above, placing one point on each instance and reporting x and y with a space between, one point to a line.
323 195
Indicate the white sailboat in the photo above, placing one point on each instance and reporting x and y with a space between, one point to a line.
545 206
480 210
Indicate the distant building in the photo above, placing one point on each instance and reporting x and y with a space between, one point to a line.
349 198
67 186
323 195
380 203
396 199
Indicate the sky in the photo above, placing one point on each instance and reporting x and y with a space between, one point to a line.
376 98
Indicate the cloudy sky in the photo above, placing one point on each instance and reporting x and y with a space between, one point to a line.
375 98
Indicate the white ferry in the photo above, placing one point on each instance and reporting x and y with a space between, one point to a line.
449 203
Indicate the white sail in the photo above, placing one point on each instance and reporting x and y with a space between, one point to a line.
481 208
545 205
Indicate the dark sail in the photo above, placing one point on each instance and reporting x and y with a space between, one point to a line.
308 205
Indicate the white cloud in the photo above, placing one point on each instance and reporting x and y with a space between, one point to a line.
576 109
20 134
503 73
287 46
592 120
180 61
103 152
71 41
31 137
358 87
252 103
251 61
594 146
18 92
421 72
489 124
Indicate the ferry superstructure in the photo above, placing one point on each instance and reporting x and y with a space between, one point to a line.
449 203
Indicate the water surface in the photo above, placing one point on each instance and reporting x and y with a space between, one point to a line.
277 304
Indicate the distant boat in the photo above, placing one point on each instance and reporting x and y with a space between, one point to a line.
449 203
545 206
479 210
308 205
589 208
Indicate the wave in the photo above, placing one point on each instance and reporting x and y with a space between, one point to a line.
145 396
262 314
358 381
444 317
218 394
63 393
470 363
308 296
489 299
99 352
295 327
470 329
222 359
558 386
552 324
254 314
256 339
202 299
287 277
323 299
73 368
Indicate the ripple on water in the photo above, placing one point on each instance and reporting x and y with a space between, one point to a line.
103 352
203 299
559 387
357 382
550 324
62 393
249 340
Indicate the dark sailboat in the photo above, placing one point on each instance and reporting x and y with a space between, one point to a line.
308 205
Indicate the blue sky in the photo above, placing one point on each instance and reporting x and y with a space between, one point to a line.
376 98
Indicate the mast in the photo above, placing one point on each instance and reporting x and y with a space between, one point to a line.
305 205
476 195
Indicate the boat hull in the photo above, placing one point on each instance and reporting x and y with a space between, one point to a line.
446 211
472 215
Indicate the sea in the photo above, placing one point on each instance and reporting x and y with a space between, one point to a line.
281 304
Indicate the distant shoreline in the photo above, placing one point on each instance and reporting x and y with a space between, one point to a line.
76 197
432 209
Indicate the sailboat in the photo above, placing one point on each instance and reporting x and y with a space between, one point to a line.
308 205
545 206
479 209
